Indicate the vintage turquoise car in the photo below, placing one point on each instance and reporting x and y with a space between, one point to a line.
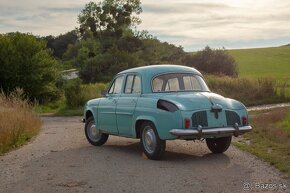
164 102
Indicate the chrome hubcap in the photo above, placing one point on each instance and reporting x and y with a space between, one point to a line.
149 139
93 133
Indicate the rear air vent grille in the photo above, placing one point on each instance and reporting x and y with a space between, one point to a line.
232 118
199 118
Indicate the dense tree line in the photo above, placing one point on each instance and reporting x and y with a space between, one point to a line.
60 43
107 42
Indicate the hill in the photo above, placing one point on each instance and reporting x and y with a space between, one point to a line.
271 62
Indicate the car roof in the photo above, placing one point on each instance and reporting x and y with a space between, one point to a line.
149 72
153 70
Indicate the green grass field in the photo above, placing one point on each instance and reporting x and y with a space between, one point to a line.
263 62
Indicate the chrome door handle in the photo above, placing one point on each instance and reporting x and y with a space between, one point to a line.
115 101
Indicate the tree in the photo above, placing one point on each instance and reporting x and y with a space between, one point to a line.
60 43
109 18
215 61
108 44
155 52
25 62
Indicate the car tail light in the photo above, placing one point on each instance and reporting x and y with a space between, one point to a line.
186 123
244 120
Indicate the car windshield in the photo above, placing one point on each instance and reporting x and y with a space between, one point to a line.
175 82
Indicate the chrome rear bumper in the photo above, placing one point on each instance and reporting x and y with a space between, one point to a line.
199 132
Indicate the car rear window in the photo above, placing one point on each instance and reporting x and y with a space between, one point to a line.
174 82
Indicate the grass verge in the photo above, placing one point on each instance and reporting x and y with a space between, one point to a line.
59 108
70 111
18 122
270 139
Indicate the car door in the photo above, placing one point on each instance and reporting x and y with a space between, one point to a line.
126 104
107 107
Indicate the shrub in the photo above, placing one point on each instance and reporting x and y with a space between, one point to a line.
18 121
25 62
73 95
77 94
214 61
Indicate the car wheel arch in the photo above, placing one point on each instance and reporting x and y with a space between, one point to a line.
139 123
89 114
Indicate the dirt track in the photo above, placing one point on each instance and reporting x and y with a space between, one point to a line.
61 160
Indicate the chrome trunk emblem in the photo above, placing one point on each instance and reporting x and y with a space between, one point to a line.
216 108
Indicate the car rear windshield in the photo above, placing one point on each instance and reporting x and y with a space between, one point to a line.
175 82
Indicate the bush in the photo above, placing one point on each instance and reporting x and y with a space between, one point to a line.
77 94
249 91
25 62
18 121
73 94
215 61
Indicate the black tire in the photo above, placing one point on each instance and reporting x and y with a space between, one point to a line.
218 145
97 140
156 149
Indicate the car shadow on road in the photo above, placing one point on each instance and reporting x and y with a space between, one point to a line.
209 157
134 150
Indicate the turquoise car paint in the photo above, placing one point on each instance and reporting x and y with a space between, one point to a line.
125 110
163 120
201 100
92 107
120 113
107 119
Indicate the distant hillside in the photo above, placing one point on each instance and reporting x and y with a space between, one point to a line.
263 62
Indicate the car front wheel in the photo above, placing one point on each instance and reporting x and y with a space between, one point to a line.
218 145
152 145
93 134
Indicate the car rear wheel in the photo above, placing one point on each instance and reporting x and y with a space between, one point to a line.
152 145
218 145
93 134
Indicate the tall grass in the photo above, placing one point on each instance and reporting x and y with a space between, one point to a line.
18 122
272 125
249 91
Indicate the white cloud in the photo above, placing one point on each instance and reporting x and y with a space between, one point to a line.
190 23
39 17
218 21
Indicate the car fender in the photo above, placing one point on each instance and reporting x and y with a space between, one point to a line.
92 106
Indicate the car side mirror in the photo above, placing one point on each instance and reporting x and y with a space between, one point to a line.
104 92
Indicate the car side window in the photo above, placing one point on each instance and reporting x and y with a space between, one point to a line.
112 88
129 83
117 85
133 84
137 85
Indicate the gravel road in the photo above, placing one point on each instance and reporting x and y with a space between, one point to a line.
60 159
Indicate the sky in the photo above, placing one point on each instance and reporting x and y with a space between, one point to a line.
192 24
